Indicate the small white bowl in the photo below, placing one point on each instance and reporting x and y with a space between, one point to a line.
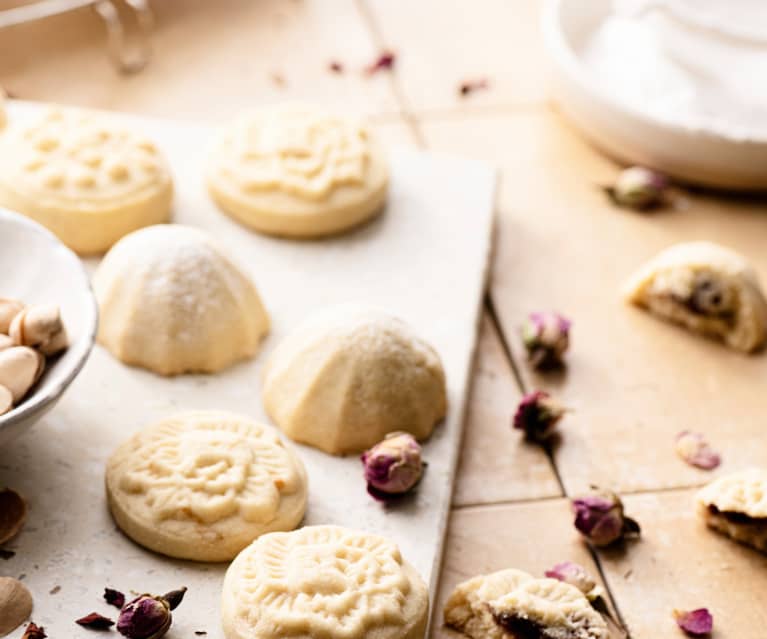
691 155
38 268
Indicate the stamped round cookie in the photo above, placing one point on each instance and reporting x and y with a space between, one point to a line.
323 582
349 376
172 301
85 177
297 171
202 485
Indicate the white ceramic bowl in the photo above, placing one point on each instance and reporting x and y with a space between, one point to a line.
701 157
38 268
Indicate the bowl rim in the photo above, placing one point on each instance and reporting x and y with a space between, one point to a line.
37 404
560 50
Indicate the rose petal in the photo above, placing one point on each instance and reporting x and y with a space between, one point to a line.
383 62
695 622
114 598
696 451
34 631
95 621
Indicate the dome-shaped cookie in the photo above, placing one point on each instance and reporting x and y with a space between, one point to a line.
203 485
297 171
85 177
323 582
172 302
349 376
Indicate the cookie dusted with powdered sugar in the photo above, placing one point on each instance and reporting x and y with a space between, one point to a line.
84 176
297 171
736 505
706 288
323 582
349 376
203 485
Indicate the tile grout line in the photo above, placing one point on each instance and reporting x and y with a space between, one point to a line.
506 346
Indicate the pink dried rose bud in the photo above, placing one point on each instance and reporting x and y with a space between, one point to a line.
148 616
546 336
393 466
696 451
695 622
576 575
599 517
638 188
538 415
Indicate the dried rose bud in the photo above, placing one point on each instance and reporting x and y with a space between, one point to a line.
34 631
148 616
638 188
576 575
95 621
546 337
695 622
538 415
393 466
114 598
695 450
600 519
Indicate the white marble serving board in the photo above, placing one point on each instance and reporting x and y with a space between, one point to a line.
424 260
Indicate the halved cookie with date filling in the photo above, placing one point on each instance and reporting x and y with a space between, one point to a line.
706 288
511 604
736 505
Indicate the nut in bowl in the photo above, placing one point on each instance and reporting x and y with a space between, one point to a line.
52 320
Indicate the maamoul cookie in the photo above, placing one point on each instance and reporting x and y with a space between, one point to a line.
203 485
510 604
85 177
297 171
351 375
172 302
323 582
736 505
708 289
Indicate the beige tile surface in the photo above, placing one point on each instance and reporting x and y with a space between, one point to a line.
210 59
633 382
530 536
679 563
496 463
442 44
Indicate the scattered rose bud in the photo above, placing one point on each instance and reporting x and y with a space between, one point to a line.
114 598
695 450
34 631
538 415
384 62
393 466
95 621
335 66
468 87
695 622
638 188
576 575
599 517
147 616
13 514
546 337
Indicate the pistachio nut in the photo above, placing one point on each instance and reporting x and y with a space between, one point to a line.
20 367
9 308
6 400
36 325
15 604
